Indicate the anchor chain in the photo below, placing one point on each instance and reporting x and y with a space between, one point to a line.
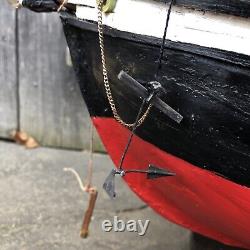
106 78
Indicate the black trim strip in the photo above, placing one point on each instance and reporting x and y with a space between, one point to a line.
225 56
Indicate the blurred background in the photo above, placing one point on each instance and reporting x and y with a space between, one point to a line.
39 92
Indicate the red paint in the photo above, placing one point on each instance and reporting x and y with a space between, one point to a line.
195 198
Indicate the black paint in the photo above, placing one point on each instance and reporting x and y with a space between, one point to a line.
41 6
211 93
46 5
224 56
233 7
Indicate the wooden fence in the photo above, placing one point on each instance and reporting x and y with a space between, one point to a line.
39 93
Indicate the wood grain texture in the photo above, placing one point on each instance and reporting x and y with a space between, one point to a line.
232 7
148 18
8 105
52 109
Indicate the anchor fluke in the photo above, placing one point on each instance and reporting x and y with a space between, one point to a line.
109 184
152 172
156 172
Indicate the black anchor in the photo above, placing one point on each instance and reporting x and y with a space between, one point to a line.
150 95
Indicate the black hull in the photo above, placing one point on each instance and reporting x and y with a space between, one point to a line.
211 91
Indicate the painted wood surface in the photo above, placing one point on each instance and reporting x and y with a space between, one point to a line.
51 108
211 94
186 25
231 7
8 104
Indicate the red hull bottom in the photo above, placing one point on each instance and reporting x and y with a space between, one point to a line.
195 198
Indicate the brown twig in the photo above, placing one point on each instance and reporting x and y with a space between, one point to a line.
91 205
87 188
89 212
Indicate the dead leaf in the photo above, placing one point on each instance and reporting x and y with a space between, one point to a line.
23 138
20 137
31 143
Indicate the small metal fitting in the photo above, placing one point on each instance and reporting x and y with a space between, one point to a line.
122 173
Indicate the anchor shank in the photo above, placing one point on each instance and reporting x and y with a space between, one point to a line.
132 134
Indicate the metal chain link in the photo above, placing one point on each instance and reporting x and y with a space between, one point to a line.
106 79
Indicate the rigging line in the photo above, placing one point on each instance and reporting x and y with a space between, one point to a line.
91 154
132 134
17 65
164 39
144 101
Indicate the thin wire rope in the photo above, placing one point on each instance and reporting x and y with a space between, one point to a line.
17 65
162 49
131 135
157 72
78 178
91 154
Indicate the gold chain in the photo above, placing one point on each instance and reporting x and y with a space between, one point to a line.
106 79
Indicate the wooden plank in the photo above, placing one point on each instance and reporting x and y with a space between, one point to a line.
52 109
8 100
231 7
186 26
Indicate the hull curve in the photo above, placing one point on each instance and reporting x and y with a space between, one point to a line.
209 151
196 199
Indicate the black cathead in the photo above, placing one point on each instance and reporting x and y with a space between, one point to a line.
154 88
